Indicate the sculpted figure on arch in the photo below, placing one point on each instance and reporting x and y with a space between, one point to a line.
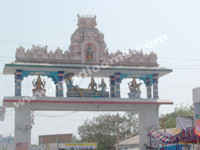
102 86
89 53
39 84
93 86
134 86
39 87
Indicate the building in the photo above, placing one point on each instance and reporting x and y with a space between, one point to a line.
187 121
66 146
55 138
196 102
131 142
7 143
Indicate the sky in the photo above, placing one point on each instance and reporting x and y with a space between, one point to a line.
125 24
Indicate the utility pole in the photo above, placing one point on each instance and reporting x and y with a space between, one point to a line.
8 142
118 120
117 131
163 123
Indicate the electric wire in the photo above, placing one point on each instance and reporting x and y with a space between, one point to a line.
29 43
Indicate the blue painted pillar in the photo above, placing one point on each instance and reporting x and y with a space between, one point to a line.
117 84
112 86
59 87
18 80
148 85
155 86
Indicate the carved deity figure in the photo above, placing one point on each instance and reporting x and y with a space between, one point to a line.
71 87
69 83
89 53
134 86
91 91
93 86
102 86
39 84
39 87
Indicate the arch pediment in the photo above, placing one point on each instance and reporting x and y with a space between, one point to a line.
90 41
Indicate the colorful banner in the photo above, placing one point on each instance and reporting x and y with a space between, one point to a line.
197 127
22 146
2 112
184 135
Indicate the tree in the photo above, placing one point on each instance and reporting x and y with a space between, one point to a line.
182 111
74 139
103 129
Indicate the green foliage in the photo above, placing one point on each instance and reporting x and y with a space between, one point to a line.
182 111
75 140
103 129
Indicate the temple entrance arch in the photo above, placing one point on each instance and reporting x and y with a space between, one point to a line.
96 97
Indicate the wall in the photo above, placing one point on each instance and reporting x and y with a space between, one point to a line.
196 102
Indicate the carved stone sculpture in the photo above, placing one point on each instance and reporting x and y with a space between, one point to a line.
39 87
134 88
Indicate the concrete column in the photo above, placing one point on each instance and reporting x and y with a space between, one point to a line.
148 117
117 84
112 86
148 85
18 80
60 84
155 86
23 125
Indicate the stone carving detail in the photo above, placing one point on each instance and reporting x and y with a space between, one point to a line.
58 54
39 87
87 46
20 54
134 88
103 87
72 90
93 86
89 54
76 91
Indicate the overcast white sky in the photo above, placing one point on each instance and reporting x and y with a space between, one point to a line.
125 24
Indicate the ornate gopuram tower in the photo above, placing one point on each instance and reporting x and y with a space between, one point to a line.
87 57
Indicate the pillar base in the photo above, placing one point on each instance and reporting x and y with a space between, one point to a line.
23 125
148 117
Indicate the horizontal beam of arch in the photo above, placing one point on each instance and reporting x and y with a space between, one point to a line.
49 74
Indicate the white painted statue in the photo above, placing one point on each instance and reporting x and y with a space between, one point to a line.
134 88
